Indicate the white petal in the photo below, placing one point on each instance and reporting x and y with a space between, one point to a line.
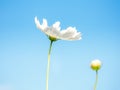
37 23
70 34
39 26
44 25
52 32
77 36
56 25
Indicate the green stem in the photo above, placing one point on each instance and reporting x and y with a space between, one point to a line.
48 65
96 81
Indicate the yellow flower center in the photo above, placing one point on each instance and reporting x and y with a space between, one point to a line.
52 38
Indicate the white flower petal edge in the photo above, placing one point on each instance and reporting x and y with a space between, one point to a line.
39 26
54 31
70 34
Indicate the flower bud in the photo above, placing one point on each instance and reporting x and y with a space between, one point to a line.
96 64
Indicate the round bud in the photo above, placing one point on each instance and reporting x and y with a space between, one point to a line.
95 64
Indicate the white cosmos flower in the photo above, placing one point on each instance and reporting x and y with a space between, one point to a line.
55 31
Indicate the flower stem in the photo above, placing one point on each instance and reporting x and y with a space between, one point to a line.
96 81
48 65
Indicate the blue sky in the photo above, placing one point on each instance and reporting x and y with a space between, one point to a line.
24 48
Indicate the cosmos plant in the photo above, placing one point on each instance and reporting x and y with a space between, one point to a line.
55 33
96 65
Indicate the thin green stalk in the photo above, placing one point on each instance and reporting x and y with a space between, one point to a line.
48 65
96 81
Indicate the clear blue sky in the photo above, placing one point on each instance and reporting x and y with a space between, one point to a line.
24 49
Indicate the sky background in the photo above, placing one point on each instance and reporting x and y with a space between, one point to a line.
24 48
